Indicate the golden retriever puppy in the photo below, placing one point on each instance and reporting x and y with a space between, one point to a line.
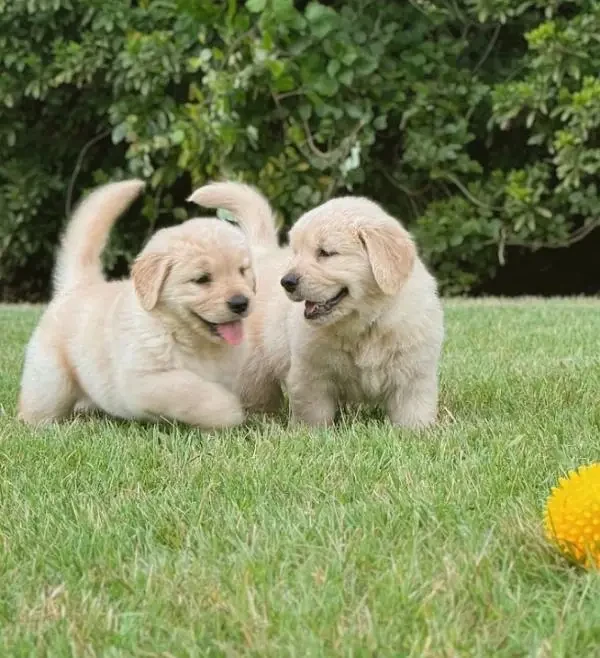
260 375
166 343
370 328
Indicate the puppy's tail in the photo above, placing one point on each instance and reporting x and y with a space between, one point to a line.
84 240
249 207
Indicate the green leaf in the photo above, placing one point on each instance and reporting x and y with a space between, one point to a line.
326 86
317 13
255 6
226 215
380 122
305 111
349 57
283 9
119 133
177 136
354 111
285 83
333 67
276 66
322 20
347 77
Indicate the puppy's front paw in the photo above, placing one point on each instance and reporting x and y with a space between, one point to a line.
413 414
414 405
226 411
413 422
318 414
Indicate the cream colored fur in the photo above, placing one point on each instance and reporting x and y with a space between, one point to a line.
380 345
163 344
259 379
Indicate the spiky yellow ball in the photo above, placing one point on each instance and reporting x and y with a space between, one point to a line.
572 516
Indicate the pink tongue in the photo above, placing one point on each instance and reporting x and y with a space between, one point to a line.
231 332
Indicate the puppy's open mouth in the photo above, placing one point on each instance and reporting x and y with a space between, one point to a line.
314 310
231 332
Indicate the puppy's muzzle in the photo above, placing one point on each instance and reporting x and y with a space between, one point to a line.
238 304
290 282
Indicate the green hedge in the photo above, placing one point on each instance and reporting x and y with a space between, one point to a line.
476 122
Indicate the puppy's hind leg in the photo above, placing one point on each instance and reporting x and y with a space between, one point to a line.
48 388
263 398
259 391
85 406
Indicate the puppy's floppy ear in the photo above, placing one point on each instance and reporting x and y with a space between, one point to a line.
149 272
391 253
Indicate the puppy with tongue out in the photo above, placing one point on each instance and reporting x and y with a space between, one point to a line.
168 342
199 281
360 320
196 281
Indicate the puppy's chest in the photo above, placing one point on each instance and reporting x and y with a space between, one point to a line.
215 368
364 372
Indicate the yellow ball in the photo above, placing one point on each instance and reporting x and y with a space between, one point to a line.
572 516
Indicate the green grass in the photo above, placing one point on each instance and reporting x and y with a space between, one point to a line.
118 539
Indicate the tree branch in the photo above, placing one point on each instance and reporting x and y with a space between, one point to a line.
77 169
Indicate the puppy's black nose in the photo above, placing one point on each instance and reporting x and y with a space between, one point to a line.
290 281
238 304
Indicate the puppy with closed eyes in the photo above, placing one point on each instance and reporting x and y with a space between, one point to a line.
360 320
166 343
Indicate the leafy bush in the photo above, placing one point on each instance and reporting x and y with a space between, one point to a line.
476 122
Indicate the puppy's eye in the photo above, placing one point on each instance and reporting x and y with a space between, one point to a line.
326 254
243 270
202 280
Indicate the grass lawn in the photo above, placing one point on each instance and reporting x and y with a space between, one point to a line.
118 539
